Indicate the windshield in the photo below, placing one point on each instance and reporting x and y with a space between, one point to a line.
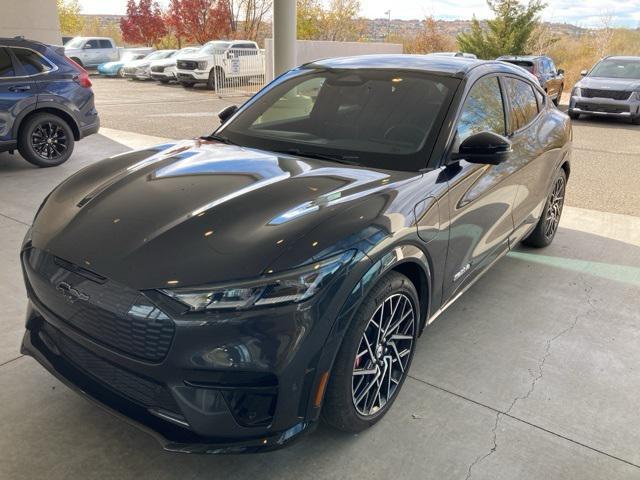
380 118
75 42
157 55
628 68
213 46
128 56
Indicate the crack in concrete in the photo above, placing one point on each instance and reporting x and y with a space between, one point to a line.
547 351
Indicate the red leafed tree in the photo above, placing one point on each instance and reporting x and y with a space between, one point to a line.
199 20
143 23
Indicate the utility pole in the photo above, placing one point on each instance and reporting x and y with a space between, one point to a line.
388 14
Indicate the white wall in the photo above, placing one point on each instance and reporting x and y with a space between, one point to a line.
310 50
34 19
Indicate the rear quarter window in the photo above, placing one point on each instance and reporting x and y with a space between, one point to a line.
6 66
523 103
31 62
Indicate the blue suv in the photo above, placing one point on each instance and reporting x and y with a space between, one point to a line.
46 102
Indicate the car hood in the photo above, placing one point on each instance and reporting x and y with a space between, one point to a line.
200 212
138 63
194 57
110 65
165 62
603 83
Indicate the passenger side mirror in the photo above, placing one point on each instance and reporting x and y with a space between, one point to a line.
583 73
484 147
560 71
227 112
86 46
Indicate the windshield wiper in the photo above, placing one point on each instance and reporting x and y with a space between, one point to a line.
334 157
219 138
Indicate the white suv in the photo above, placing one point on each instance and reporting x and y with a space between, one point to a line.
219 61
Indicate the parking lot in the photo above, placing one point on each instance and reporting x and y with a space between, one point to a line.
532 374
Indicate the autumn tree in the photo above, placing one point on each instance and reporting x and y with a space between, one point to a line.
143 23
69 14
339 21
200 20
247 17
508 33
431 38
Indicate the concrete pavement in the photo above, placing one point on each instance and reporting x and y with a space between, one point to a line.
532 374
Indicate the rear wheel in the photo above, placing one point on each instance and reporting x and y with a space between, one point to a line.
635 120
544 232
187 84
45 140
216 79
164 80
574 115
375 356
121 72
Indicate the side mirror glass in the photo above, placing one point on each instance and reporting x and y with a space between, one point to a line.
484 147
560 71
583 73
86 46
227 112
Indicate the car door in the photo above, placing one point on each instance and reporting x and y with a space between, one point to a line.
534 154
16 94
480 197
91 52
104 53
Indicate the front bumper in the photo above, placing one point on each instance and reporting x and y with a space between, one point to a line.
194 76
629 108
236 383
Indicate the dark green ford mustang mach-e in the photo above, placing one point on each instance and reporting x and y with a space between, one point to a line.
225 293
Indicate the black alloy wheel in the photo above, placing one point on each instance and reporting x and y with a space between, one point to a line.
374 357
45 140
547 226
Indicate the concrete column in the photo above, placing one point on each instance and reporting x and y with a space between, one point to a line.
284 36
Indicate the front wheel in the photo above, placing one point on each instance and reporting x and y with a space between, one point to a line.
45 140
375 356
574 115
547 226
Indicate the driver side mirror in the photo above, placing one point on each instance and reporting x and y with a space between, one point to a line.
484 147
227 112
583 73
87 46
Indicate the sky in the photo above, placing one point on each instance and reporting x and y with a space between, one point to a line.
585 13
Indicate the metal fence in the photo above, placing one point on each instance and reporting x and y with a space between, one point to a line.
239 72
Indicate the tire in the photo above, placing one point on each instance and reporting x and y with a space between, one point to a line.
635 120
556 102
547 226
187 84
121 72
216 75
341 408
573 115
164 82
78 61
45 140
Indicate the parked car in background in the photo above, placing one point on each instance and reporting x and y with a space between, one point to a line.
542 67
164 70
282 268
92 51
139 69
218 61
46 102
115 69
452 54
611 88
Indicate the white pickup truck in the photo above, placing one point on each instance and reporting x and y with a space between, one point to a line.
219 63
92 51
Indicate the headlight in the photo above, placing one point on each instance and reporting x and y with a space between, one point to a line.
202 65
577 92
288 287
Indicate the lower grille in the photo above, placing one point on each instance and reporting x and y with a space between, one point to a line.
594 107
157 69
145 392
612 94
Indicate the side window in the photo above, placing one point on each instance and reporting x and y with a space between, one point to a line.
540 99
104 43
31 62
552 66
6 67
483 109
296 104
91 44
524 106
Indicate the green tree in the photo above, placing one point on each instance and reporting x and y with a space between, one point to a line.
71 22
506 34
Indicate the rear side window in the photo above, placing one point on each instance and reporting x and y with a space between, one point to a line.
31 62
6 67
483 110
524 106
104 43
